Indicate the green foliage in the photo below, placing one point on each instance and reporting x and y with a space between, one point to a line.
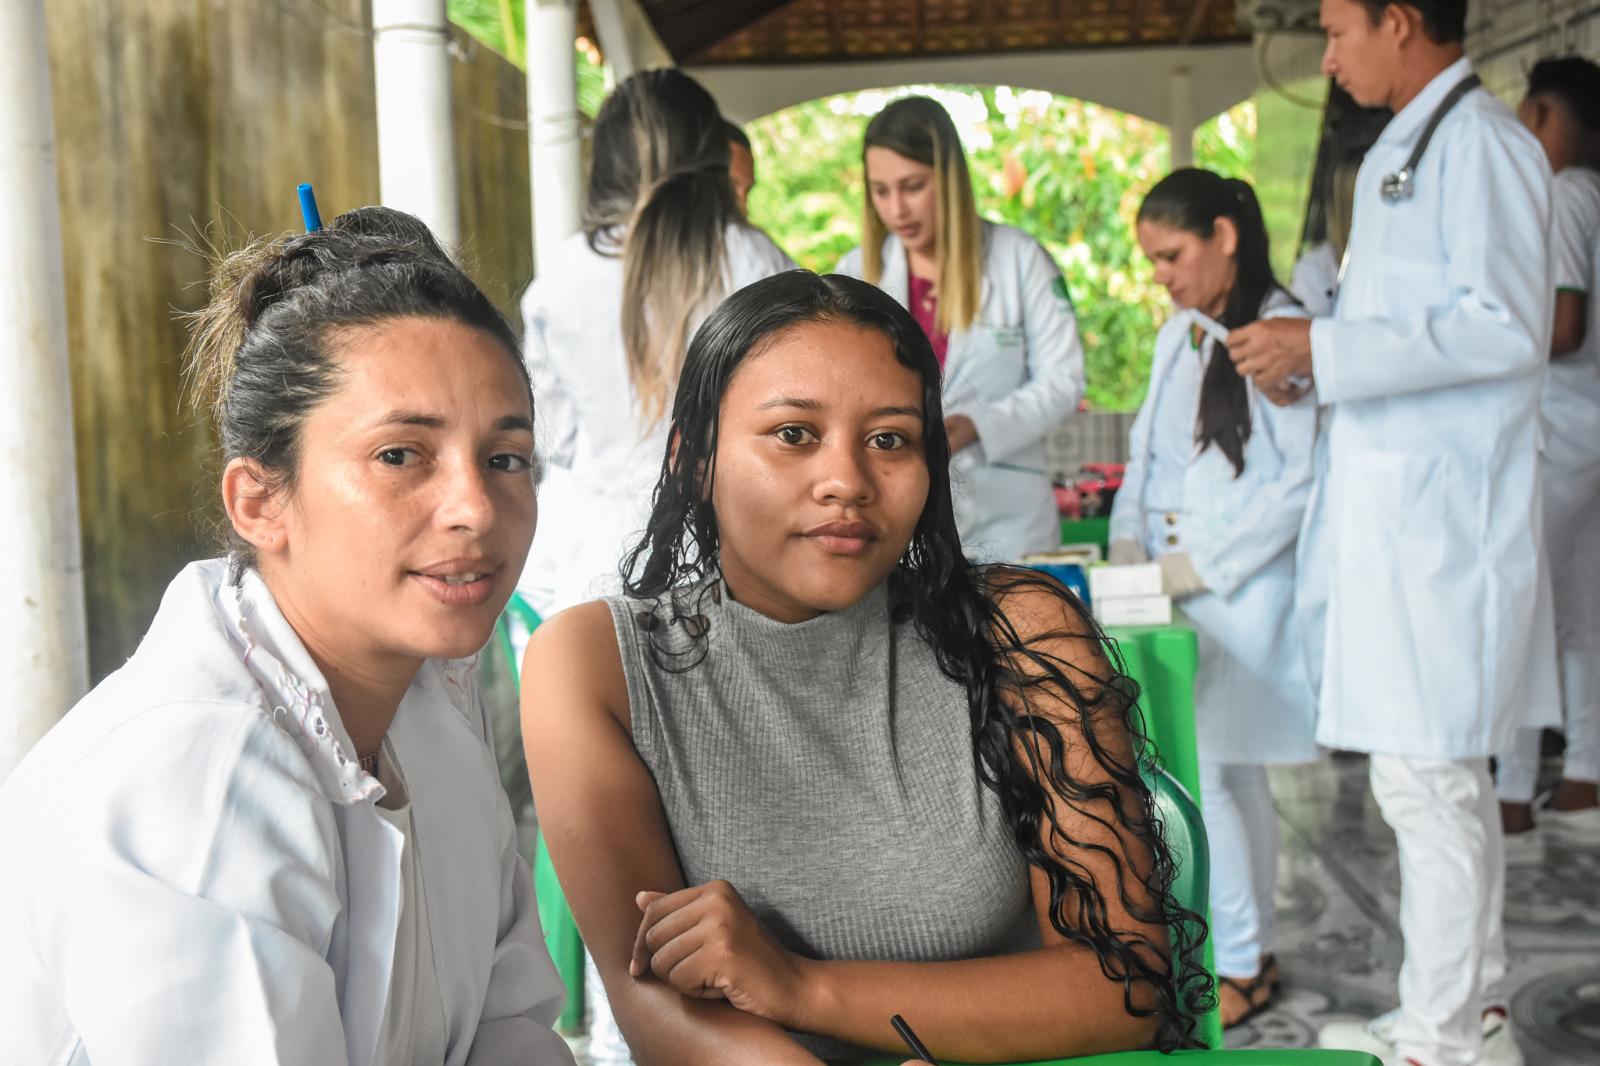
499 25
1069 172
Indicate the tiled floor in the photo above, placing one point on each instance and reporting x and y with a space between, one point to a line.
1339 939
1338 935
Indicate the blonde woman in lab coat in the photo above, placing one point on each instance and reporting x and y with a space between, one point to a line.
608 321
1216 489
277 833
995 307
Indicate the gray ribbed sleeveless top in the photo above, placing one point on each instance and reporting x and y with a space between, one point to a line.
825 770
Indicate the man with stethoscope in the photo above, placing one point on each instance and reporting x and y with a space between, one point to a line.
1423 536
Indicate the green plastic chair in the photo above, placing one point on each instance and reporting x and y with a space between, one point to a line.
555 917
1164 661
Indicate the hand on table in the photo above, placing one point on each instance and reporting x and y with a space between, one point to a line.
707 944
961 431
1270 352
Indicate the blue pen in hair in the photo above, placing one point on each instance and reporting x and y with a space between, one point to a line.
308 207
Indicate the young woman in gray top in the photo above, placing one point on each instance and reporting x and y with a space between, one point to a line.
815 768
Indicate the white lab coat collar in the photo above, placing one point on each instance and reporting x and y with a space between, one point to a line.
290 680
300 699
1408 121
896 281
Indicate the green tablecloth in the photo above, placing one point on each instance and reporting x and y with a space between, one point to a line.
1256 1057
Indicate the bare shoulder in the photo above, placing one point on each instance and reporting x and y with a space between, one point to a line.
573 664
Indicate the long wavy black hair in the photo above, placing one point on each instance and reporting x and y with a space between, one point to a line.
1192 199
1020 756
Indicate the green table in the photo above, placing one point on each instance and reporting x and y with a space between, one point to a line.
1256 1057
1087 531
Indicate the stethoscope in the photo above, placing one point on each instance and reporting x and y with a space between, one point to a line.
1401 185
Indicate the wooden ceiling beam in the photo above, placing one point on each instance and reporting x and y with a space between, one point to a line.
835 28
1197 18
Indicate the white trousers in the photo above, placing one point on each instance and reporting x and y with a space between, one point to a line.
1242 833
1446 822
1572 541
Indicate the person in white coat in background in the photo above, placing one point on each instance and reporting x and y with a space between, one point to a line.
277 833
1216 490
1423 537
608 320
607 326
1562 109
996 309
1315 278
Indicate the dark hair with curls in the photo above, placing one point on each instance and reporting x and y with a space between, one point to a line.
1019 755
263 352
1191 199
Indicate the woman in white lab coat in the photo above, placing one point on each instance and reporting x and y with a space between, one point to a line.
1216 489
608 321
277 833
996 309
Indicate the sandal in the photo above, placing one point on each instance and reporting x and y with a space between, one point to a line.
1270 972
1241 1000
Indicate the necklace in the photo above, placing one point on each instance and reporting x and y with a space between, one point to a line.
369 763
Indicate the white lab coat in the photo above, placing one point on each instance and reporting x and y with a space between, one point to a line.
195 871
1017 372
1423 536
1252 700
592 512
1315 280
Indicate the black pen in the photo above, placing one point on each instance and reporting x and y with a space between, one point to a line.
911 1040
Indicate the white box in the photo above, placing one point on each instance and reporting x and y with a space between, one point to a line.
1133 610
1111 582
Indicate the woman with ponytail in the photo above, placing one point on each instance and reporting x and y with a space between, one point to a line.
277 834
1216 486
608 319
814 768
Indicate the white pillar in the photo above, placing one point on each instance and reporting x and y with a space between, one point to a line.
1180 123
416 141
43 648
627 39
555 168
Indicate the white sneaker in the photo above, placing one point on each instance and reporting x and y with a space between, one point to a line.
1377 1038
1525 848
1499 1042
1573 827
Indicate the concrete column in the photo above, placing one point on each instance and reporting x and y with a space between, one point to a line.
44 655
1180 121
627 39
416 140
555 168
